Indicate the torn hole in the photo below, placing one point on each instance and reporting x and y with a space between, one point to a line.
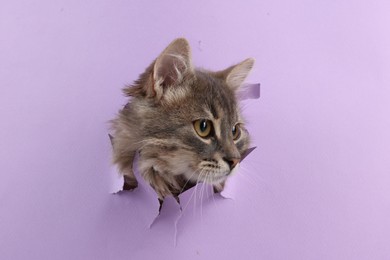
143 194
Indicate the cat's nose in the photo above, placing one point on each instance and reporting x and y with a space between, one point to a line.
232 162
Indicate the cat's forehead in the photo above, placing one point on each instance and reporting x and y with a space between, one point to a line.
214 96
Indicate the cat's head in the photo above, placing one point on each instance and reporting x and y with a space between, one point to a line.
189 118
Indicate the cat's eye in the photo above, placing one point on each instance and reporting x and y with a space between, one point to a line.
203 127
236 131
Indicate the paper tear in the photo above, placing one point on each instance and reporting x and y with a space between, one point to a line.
195 197
141 196
249 91
247 152
116 180
145 195
229 190
195 203
167 213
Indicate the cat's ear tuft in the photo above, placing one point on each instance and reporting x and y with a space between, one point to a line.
173 64
236 74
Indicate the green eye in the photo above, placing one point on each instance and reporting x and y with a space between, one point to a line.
203 127
236 131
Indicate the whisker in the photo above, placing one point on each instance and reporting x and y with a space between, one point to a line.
189 200
201 198
257 178
207 181
213 194
196 188
185 184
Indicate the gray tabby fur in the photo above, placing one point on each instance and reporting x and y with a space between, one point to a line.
158 124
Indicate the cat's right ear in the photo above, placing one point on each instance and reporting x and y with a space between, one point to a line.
172 66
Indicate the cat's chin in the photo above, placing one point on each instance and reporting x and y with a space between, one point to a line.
209 177
216 179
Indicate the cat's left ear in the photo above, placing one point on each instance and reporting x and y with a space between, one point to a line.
172 66
236 74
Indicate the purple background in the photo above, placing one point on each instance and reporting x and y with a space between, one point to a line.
317 187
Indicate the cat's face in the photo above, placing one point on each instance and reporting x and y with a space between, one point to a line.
216 133
199 134
189 121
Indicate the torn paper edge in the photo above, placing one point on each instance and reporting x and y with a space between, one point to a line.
247 91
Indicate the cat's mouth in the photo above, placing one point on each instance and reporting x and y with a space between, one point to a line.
216 174
212 176
211 172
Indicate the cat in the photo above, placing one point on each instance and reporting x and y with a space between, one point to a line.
183 122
